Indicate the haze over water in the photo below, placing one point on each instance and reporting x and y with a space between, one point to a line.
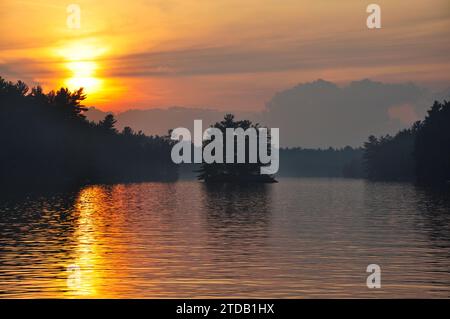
297 238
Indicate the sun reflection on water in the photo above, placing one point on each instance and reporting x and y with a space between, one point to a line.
87 253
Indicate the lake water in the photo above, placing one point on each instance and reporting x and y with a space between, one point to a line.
297 238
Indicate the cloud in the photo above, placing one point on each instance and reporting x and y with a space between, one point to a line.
405 113
279 55
321 114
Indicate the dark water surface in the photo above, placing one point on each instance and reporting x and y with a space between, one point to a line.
297 238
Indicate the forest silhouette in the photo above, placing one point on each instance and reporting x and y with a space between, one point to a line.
47 140
420 153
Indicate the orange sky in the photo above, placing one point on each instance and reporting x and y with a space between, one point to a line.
222 53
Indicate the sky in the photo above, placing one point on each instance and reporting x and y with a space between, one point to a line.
222 54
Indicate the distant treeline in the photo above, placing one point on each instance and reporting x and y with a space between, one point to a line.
302 162
331 162
420 153
46 139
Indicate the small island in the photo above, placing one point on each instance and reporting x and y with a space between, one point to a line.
239 173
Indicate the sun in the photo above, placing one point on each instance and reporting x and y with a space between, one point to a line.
81 62
83 75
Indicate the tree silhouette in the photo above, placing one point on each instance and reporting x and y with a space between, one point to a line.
108 123
390 157
432 146
127 131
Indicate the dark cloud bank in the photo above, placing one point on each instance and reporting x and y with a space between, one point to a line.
315 114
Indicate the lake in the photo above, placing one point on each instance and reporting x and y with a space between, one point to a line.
300 238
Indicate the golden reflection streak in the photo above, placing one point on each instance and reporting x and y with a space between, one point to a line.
100 254
88 257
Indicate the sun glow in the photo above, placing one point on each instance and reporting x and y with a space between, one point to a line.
83 75
81 60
